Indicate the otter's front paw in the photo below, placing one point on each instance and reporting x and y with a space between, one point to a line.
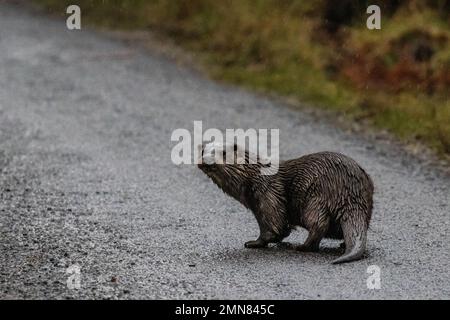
255 244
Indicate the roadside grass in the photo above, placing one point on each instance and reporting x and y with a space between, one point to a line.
281 47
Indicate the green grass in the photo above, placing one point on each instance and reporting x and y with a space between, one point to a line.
281 47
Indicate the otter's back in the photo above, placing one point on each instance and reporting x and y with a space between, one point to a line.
332 177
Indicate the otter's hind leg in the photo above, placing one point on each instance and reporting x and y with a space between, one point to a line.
317 222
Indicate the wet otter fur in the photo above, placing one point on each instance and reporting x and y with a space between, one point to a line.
327 193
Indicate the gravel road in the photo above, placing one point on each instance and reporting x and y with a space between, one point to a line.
86 179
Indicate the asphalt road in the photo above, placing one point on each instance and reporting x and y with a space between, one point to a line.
86 179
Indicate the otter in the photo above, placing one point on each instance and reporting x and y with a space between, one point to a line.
326 193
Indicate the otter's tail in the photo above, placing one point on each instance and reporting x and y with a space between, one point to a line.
355 238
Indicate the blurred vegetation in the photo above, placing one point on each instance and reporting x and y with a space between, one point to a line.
317 51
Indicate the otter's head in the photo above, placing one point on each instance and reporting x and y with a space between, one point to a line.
228 165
